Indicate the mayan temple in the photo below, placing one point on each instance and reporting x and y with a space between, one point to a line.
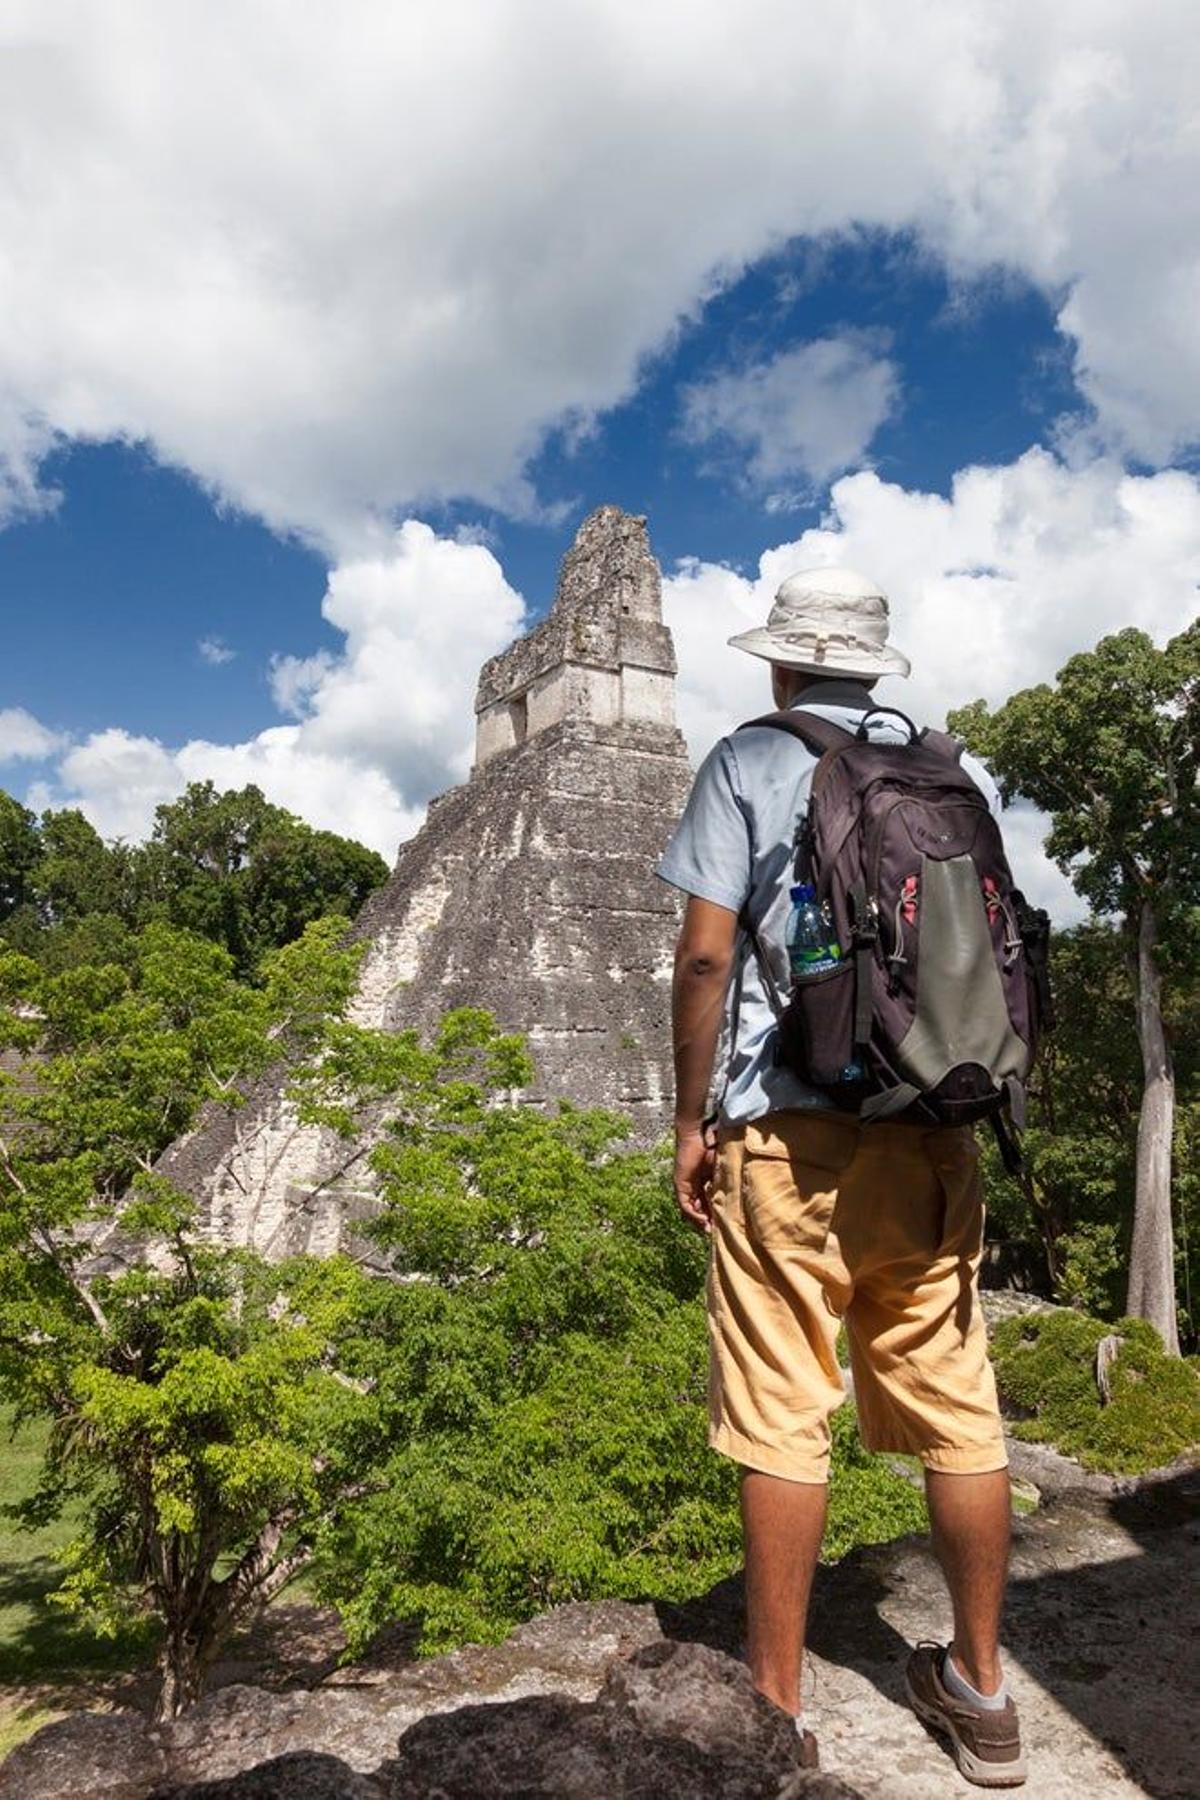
529 890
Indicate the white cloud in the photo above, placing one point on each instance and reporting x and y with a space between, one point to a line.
214 651
24 442
383 725
296 680
24 738
991 590
805 413
117 779
336 260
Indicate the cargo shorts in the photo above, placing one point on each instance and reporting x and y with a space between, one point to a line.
819 1220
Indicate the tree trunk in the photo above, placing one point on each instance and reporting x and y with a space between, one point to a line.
184 1670
207 1612
1152 1256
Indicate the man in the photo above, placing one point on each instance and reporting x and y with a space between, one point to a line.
816 1219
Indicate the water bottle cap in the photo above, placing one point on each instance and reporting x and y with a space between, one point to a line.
803 890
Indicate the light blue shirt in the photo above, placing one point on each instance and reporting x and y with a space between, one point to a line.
733 846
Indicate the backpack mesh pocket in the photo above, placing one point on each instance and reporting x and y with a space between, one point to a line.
816 1031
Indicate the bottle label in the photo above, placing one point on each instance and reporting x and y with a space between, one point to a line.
808 960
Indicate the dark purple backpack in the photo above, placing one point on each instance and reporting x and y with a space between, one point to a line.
943 987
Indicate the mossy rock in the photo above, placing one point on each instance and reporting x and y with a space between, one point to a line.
1046 1365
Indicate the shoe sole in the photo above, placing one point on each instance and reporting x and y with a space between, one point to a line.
974 1768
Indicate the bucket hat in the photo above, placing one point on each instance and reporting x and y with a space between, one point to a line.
829 621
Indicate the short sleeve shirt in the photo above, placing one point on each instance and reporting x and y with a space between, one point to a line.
733 846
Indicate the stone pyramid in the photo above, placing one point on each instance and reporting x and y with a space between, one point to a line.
529 890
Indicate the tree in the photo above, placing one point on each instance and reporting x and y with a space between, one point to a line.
546 1383
206 1424
247 874
230 867
1112 753
20 851
202 1405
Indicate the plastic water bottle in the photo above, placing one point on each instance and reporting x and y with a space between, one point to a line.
812 945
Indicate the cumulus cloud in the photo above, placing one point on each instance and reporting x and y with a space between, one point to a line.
24 738
803 414
214 651
383 724
991 590
340 261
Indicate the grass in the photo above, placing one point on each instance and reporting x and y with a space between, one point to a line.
44 1651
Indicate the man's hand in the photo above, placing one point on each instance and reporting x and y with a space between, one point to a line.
695 1160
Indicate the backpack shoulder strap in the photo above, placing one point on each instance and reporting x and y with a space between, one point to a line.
818 734
942 744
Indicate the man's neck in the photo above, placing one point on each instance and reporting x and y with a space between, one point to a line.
830 692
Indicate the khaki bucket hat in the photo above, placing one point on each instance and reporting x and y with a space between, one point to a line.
829 621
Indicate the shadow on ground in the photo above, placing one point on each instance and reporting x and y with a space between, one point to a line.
1099 1633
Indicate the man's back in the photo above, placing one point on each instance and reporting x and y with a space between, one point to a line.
734 847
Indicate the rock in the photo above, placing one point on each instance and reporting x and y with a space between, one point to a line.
563 1750
689 1691
91 1754
623 1700
360 1713
998 1304
300 1776
679 1719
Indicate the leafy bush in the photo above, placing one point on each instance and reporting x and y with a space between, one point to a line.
545 1382
1046 1364
1089 1266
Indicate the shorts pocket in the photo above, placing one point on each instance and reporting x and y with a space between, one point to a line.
792 1169
957 1163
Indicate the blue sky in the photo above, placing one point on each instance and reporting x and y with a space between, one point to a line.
313 355
107 596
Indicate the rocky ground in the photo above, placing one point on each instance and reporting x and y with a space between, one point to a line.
622 1700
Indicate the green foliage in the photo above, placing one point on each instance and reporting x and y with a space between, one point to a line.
1090 1262
123 1053
249 875
229 867
1112 753
1046 1365
20 852
199 1401
548 1372
206 1415
515 1417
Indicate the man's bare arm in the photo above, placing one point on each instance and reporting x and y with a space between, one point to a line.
703 963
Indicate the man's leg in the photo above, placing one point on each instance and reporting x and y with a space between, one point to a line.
970 1517
783 1522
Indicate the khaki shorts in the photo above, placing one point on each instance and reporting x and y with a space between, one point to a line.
816 1220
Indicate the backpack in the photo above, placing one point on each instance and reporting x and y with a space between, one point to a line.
934 1010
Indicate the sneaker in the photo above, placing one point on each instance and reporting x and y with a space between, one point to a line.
986 1742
